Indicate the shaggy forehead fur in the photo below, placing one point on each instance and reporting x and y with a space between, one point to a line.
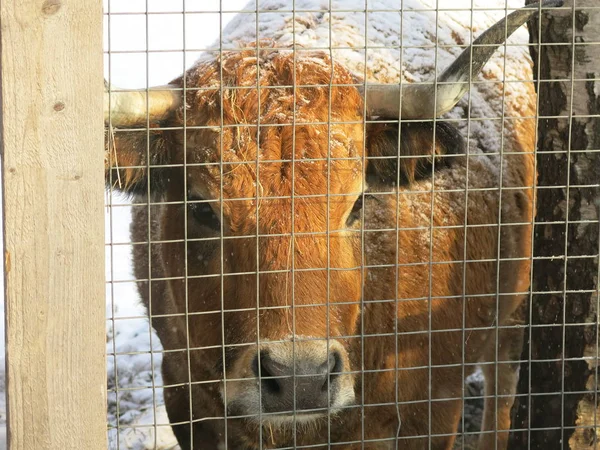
276 141
411 46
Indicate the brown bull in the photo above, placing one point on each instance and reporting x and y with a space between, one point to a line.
308 284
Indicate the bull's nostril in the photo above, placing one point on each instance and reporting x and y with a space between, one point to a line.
336 364
255 366
335 367
268 381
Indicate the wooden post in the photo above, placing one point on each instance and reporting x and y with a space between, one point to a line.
52 141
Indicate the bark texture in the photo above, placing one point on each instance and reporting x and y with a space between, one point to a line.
557 386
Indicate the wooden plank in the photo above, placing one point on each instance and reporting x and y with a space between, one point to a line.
52 131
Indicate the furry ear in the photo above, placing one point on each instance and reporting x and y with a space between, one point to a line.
130 156
419 147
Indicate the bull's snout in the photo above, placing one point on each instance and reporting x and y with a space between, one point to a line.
300 379
297 384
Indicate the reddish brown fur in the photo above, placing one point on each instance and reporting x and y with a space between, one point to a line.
246 174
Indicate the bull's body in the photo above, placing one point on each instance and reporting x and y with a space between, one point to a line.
432 300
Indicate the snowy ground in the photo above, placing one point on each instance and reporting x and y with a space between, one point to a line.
133 364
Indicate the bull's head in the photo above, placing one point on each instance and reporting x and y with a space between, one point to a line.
258 244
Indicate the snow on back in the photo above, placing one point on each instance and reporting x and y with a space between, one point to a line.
409 45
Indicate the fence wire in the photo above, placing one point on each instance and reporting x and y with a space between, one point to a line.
193 223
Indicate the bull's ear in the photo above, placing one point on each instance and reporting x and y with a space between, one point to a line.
134 158
408 154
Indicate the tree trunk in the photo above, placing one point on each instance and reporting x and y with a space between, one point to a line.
556 390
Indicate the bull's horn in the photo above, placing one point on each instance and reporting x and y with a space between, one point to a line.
130 108
419 100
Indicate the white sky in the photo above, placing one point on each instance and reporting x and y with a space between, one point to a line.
165 35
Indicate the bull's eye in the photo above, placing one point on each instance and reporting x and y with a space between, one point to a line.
204 214
356 212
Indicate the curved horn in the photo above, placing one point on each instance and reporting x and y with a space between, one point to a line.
130 108
419 101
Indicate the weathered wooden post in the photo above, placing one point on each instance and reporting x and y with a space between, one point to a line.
52 150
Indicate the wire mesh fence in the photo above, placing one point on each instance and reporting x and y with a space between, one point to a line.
358 224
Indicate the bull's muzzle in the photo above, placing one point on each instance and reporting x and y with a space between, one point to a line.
303 379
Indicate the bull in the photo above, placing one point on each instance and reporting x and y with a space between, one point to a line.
319 272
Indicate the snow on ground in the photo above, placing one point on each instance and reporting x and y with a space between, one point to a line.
133 358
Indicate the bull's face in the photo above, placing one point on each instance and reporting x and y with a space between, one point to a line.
284 190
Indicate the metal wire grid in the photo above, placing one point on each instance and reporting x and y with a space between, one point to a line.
222 238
